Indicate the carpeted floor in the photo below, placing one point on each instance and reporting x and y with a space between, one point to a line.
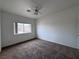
38 49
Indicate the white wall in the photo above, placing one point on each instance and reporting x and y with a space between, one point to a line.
78 43
60 28
8 37
0 30
78 28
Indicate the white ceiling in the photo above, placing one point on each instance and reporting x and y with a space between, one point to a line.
19 7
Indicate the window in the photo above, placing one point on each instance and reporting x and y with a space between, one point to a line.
20 28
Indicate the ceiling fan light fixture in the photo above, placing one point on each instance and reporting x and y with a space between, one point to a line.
35 11
35 8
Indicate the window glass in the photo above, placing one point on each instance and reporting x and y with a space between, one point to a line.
27 28
21 28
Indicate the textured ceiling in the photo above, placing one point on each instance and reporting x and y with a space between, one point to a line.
19 7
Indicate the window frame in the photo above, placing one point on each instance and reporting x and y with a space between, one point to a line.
16 28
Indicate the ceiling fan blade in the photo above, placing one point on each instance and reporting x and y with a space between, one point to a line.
28 10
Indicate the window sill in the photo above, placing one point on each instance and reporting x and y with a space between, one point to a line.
22 33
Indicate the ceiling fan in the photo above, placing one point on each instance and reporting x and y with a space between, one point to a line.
34 9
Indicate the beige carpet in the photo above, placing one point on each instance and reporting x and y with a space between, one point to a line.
38 49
